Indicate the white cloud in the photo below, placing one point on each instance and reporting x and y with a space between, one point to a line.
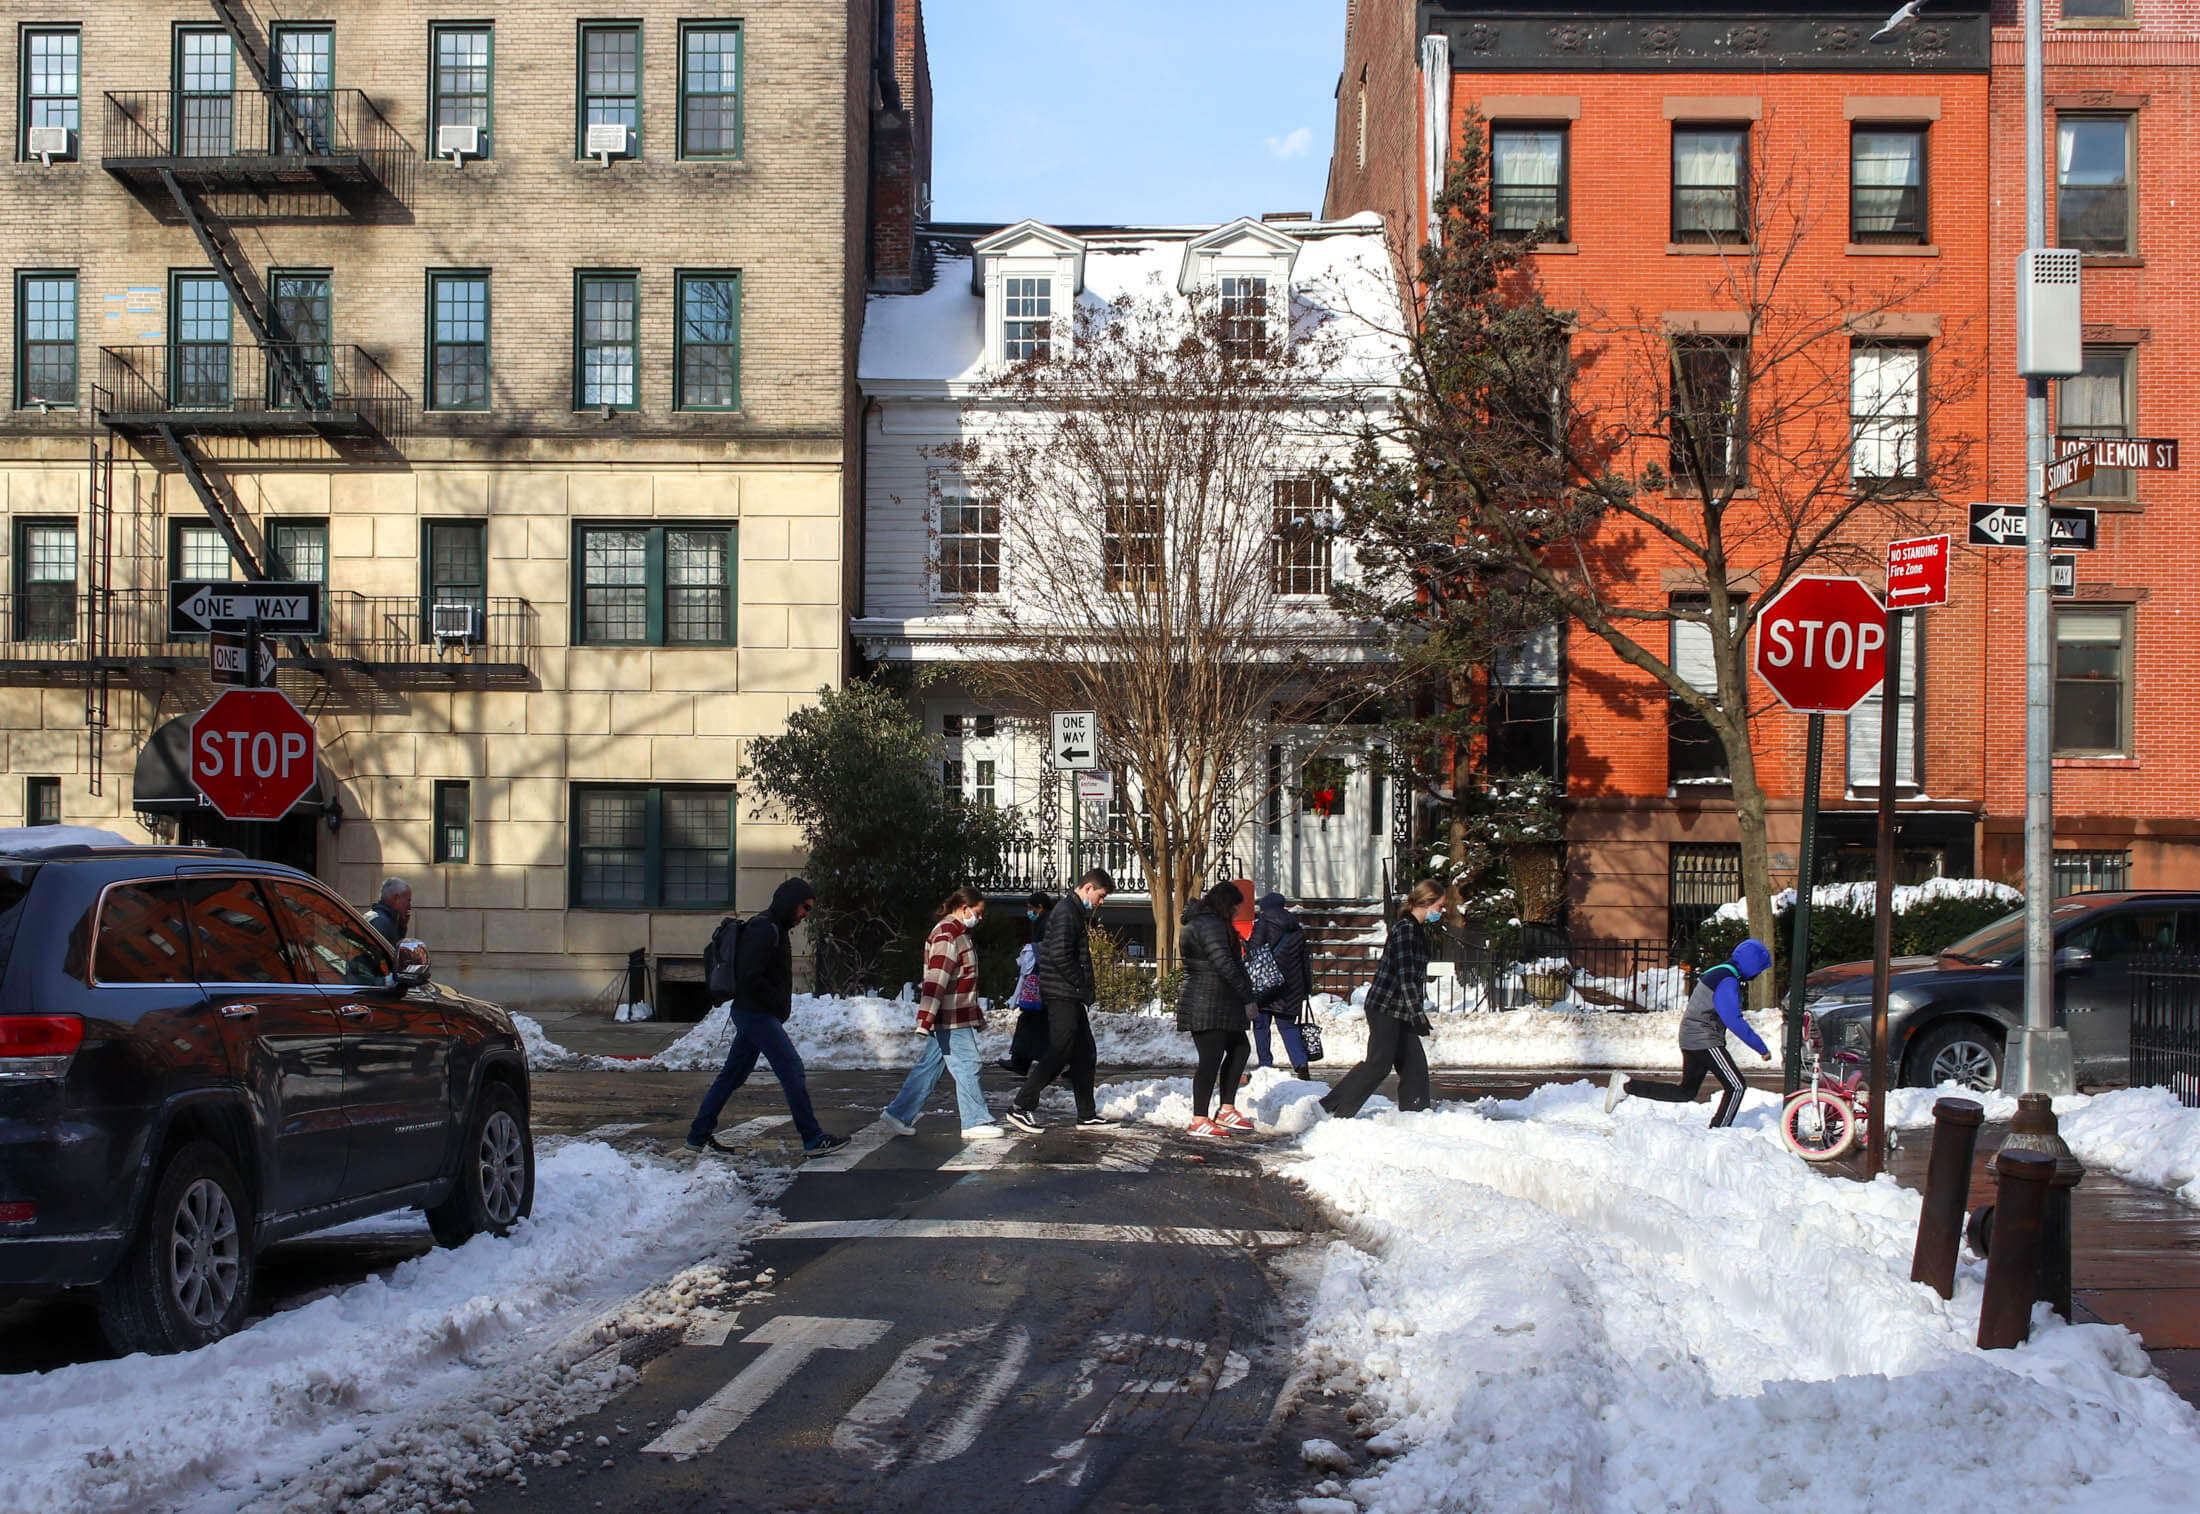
1296 143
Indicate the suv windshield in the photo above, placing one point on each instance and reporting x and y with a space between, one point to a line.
15 885
2004 939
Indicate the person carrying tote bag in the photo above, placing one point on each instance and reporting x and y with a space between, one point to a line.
1278 934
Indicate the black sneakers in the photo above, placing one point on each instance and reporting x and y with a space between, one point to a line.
826 1144
1093 1119
1025 1121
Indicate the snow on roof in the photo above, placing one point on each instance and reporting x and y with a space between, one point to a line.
32 840
1344 274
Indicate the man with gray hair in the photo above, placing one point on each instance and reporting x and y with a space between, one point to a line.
391 913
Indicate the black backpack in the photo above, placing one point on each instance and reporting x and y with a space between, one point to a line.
719 957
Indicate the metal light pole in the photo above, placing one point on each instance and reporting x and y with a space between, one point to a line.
2039 1058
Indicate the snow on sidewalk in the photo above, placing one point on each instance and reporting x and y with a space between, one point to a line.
2142 1135
1547 1308
441 1371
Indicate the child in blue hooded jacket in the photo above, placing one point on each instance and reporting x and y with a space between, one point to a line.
1714 1008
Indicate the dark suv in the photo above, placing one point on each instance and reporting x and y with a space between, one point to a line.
200 1055
1948 1017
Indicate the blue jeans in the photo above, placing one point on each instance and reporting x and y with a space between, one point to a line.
757 1035
1294 1044
945 1050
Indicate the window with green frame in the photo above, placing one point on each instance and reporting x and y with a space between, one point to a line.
45 581
299 550
661 586
458 340
707 364
461 82
197 551
610 81
51 79
45 340
454 569
710 90
41 801
607 347
651 847
454 820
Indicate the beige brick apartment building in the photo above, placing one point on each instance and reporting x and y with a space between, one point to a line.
526 328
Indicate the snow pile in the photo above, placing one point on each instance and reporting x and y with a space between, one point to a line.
2142 1135
1543 1307
1863 898
1567 1035
473 1334
541 1050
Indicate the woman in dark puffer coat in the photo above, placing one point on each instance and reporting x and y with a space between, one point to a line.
1215 1005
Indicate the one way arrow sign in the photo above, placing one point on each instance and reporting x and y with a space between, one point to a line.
2069 526
196 606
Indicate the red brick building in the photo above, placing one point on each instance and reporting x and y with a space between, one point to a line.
2123 176
1618 115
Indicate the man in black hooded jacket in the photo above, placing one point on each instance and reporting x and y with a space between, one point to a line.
763 998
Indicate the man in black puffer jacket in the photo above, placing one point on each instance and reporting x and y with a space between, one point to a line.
1066 988
763 998
1215 1006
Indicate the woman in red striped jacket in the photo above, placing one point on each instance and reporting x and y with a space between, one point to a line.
949 1017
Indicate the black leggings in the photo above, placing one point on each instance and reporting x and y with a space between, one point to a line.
1694 1065
1391 1043
1222 1054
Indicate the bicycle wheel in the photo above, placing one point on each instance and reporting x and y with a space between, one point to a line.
1818 1126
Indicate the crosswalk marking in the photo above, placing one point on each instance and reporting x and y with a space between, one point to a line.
1023 1230
793 1339
860 1145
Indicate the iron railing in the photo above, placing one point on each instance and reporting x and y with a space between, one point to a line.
1030 865
384 632
308 386
2165 1025
1627 976
254 135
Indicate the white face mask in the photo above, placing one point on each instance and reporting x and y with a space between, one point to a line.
970 919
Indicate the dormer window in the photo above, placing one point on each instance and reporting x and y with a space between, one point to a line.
1244 317
1027 318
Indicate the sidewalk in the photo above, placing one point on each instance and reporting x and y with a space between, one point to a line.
592 1033
2135 1255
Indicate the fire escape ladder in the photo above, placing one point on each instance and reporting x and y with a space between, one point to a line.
251 41
99 600
227 517
246 294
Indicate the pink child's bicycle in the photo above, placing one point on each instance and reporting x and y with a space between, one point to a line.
1825 1118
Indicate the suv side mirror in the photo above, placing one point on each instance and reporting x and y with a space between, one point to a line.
2071 957
410 974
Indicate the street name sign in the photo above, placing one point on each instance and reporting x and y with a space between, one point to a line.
252 754
1076 745
196 605
2072 527
2067 472
2062 576
1822 645
2124 451
1917 572
229 660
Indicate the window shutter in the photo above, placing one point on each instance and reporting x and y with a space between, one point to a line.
1864 728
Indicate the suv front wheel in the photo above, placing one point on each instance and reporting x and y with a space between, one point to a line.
187 1277
1962 1051
496 1172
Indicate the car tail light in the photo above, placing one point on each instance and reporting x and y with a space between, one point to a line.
38 1046
18 1214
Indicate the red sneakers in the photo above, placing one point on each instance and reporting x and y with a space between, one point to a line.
1230 1119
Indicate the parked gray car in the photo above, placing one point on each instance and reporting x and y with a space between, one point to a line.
1949 1016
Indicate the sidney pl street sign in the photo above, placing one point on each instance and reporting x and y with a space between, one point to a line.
2067 472
2069 526
1917 572
2124 451
1822 645
195 605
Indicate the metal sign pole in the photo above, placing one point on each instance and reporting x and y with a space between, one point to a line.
1890 732
1814 751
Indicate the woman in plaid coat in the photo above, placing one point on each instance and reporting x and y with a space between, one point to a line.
949 1017
1396 1011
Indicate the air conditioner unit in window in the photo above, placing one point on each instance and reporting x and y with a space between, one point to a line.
608 140
46 143
456 625
458 142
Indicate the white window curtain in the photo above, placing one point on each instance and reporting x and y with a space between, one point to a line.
1883 411
1864 725
1692 656
1709 159
1526 159
1887 160
1532 661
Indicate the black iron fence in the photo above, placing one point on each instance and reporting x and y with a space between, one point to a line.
313 384
2165 1025
1640 976
307 127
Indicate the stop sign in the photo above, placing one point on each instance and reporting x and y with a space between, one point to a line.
1822 644
252 754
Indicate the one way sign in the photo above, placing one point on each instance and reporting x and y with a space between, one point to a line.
1076 740
196 606
2069 526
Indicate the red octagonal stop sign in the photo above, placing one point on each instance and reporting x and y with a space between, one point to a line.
1822 644
252 754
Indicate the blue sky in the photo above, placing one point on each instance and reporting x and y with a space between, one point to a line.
1131 110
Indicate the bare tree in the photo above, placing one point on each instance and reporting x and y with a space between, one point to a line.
1164 554
1782 431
